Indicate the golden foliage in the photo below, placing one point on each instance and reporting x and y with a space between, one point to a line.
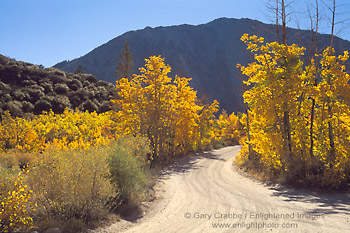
164 109
298 114
71 129
15 205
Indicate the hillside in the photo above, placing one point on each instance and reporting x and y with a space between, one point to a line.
207 53
27 88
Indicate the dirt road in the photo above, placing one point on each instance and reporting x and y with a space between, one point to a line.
203 193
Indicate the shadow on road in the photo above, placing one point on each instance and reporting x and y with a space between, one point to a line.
179 165
328 203
187 164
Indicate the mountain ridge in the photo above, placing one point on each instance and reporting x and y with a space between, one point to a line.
207 53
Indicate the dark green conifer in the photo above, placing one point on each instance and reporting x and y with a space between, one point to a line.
125 66
79 70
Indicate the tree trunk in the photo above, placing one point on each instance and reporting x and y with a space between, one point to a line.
330 125
314 49
248 134
287 130
284 27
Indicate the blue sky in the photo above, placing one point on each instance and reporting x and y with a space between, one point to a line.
49 31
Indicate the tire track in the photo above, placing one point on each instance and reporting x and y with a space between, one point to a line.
199 191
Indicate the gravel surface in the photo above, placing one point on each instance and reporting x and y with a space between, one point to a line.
203 193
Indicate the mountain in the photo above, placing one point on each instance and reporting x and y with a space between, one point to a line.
207 53
27 88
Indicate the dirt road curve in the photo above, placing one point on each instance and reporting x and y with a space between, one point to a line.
201 192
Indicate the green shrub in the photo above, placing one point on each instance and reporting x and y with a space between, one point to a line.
18 94
127 160
58 78
89 106
47 87
35 92
27 107
74 84
42 105
91 79
59 103
15 108
61 89
28 82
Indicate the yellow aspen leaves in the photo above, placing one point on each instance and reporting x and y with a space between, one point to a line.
164 109
298 114
71 129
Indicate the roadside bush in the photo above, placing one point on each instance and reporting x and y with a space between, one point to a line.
8 173
72 184
8 161
72 187
15 206
127 160
82 186
23 159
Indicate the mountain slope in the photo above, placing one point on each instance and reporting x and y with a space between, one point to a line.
27 88
207 53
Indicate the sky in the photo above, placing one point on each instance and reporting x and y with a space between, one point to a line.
45 32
